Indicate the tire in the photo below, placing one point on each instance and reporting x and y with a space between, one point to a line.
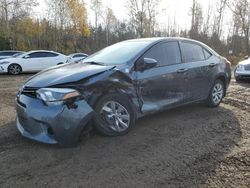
14 69
113 113
217 93
237 79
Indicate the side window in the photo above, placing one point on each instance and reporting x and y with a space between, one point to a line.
7 53
167 53
42 54
79 55
192 52
207 53
50 54
35 55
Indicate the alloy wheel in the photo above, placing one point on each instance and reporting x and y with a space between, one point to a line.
116 115
217 93
15 69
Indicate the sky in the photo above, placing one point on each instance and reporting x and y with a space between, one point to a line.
168 9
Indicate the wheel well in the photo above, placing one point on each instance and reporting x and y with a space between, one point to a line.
99 97
223 79
15 64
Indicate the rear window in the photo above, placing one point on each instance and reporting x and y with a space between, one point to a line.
207 53
192 52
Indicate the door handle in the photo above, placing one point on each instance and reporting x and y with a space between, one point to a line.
212 64
182 70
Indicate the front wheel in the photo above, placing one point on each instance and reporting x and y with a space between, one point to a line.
115 115
237 79
14 69
216 94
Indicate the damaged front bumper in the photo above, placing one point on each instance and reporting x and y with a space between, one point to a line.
57 124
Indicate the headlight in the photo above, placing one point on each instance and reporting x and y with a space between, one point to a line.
240 68
4 62
56 96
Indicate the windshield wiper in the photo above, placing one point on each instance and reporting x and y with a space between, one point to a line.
94 63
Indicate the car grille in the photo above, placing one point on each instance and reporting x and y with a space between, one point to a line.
247 67
29 91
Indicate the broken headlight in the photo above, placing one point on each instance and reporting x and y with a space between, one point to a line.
55 96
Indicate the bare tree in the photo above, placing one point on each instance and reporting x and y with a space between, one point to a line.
96 7
151 10
241 10
197 19
110 24
142 15
220 9
207 20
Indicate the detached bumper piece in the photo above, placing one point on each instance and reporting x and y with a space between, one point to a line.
58 124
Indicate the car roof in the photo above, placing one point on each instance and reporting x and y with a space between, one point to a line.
78 53
43 51
158 39
155 40
11 51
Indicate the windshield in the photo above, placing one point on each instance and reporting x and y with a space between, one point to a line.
118 53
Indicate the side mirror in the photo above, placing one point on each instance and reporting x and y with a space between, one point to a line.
148 63
27 56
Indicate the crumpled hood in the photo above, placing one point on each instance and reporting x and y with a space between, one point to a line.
245 62
65 74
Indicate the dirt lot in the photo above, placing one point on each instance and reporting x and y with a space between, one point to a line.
192 146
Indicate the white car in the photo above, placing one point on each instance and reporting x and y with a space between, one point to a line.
242 70
8 53
32 61
77 57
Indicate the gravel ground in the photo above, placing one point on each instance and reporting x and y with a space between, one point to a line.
191 146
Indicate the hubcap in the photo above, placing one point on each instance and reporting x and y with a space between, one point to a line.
15 69
217 93
115 115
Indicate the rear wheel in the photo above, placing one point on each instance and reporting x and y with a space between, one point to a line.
217 93
115 115
14 69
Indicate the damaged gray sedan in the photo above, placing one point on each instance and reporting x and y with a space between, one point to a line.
114 87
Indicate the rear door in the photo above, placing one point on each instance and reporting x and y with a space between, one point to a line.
201 65
163 86
50 59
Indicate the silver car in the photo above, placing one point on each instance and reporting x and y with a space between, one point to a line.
242 70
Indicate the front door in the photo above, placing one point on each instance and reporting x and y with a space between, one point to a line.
163 86
32 61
